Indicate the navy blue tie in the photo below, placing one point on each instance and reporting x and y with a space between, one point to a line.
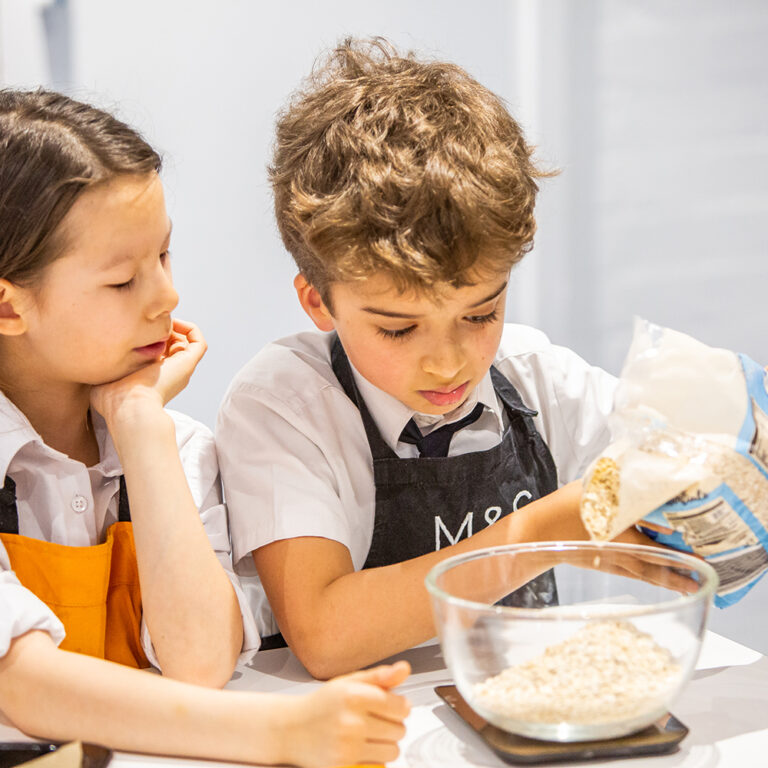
437 442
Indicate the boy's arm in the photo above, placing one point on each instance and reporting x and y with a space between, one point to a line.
337 619
59 695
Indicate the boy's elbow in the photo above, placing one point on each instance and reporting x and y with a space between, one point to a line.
322 659
323 668
319 668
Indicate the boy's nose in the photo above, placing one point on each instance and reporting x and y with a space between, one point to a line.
444 361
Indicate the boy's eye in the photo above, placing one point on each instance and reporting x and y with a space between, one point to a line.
165 255
396 334
482 319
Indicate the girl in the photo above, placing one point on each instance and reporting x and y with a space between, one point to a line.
109 504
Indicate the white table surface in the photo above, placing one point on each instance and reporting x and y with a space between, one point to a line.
725 707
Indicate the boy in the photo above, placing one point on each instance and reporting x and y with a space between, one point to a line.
354 461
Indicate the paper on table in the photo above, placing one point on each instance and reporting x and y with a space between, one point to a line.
68 756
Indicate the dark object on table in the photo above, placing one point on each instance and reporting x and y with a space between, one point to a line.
661 737
13 753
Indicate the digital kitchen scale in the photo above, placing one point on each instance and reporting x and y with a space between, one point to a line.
657 739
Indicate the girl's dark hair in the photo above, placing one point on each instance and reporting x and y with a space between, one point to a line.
52 148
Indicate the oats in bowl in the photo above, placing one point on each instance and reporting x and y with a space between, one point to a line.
604 672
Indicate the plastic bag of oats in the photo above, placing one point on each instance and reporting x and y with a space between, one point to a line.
688 458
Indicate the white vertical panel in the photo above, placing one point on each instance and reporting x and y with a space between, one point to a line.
683 162
23 49
555 287
525 36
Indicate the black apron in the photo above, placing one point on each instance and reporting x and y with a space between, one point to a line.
426 504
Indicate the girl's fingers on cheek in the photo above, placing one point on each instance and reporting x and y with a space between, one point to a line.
177 342
184 328
172 339
194 335
180 326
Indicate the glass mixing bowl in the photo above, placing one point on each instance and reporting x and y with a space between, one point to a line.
607 660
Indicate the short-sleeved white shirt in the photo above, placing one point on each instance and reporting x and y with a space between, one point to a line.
295 459
62 501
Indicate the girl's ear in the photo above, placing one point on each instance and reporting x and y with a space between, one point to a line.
12 322
311 301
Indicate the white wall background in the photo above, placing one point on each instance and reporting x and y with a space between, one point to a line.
655 110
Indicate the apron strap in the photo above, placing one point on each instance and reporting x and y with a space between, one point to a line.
123 510
343 372
9 517
9 513
516 409
509 395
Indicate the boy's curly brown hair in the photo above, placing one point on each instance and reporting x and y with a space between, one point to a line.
385 163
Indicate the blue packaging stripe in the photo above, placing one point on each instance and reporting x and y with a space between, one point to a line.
728 561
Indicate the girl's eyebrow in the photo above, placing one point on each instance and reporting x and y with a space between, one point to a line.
116 262
123 257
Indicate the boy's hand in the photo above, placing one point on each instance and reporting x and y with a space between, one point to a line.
350 720
157 383
647 567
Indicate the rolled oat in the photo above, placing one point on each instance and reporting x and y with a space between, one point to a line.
607 671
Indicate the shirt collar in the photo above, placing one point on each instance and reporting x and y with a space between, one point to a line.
391 416
16 432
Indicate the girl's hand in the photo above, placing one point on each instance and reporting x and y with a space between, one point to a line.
352 719
157 383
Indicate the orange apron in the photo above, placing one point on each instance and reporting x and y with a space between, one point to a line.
93 590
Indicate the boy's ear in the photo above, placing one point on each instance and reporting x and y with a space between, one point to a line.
12 323
312 302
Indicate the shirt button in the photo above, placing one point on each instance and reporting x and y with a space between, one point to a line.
79 503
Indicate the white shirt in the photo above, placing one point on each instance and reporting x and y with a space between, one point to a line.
295 459
62 501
